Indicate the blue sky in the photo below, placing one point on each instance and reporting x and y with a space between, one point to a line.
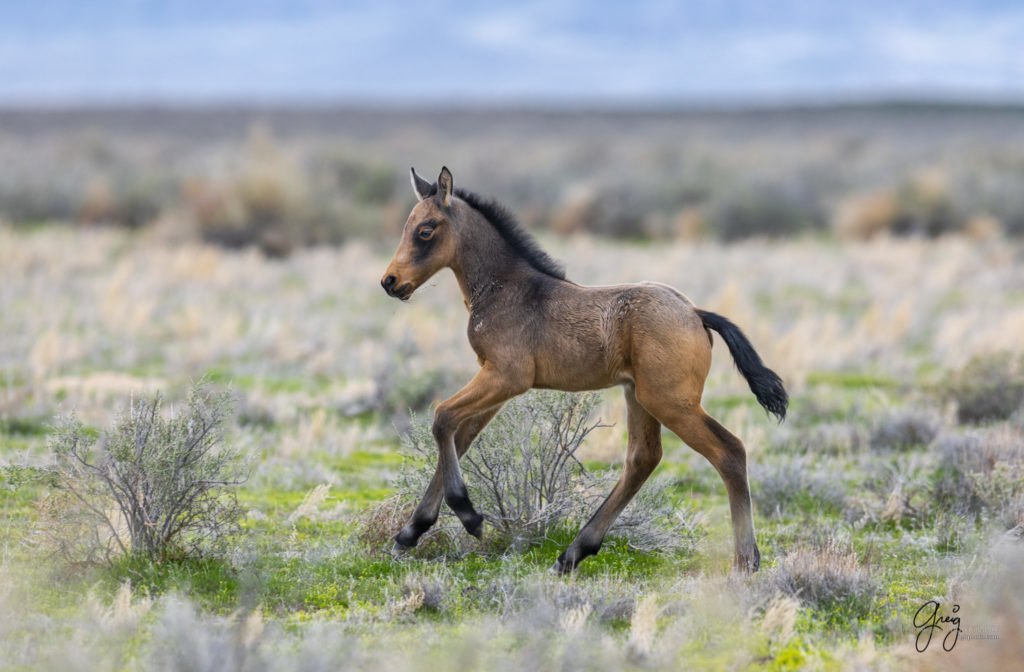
648 51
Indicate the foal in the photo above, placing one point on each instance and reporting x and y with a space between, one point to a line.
531 327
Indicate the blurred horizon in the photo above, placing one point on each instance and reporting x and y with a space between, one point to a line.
285 125
533 54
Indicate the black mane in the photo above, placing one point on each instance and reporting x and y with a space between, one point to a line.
513 233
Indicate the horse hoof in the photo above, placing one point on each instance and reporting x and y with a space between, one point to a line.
748 566
749 563
561 567
475 526
399 551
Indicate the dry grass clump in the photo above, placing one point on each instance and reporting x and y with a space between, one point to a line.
895 490
825 575
989 387
378 525
863 216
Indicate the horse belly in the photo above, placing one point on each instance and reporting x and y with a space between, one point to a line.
581 365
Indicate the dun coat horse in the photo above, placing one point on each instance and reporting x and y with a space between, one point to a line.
531 327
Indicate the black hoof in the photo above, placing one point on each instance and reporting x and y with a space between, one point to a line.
563 566
749 565
407 537
399 551
474 525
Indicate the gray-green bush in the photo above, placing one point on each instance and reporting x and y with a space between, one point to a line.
151 485
989 387
824 575
981 472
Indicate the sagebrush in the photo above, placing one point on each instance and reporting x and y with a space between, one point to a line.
150 485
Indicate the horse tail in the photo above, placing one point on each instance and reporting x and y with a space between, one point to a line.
764 383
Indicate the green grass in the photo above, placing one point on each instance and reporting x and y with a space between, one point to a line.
224 375
25 427
852 380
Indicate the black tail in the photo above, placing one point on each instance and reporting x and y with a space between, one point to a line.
764 383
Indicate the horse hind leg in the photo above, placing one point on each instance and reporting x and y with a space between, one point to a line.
642 455
727 455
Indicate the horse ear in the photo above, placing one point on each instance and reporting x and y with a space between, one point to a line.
421 187
445 185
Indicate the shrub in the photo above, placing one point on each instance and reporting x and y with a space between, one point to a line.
776 487
1001 492
982 473
861 216
604 210
831 438
825 575
895 490
765 210
989 387
150 485
904 429
924 206
952 490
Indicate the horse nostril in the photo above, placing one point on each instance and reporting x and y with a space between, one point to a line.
388 282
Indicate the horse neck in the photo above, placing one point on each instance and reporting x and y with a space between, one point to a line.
486 266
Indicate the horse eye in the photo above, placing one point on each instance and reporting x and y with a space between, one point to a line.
426 233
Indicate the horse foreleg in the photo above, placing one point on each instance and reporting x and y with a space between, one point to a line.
642 455
489 389
425 515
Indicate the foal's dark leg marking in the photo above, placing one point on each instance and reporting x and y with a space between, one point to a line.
425 515
482 396
458 500
642 455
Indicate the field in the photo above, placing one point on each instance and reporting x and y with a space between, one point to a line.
896 480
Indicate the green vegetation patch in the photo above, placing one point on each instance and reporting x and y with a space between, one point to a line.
852 380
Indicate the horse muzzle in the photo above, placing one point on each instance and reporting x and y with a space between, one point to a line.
400 291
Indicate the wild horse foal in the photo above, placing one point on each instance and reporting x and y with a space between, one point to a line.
531 327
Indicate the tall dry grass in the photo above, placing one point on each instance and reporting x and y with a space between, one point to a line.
92 315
